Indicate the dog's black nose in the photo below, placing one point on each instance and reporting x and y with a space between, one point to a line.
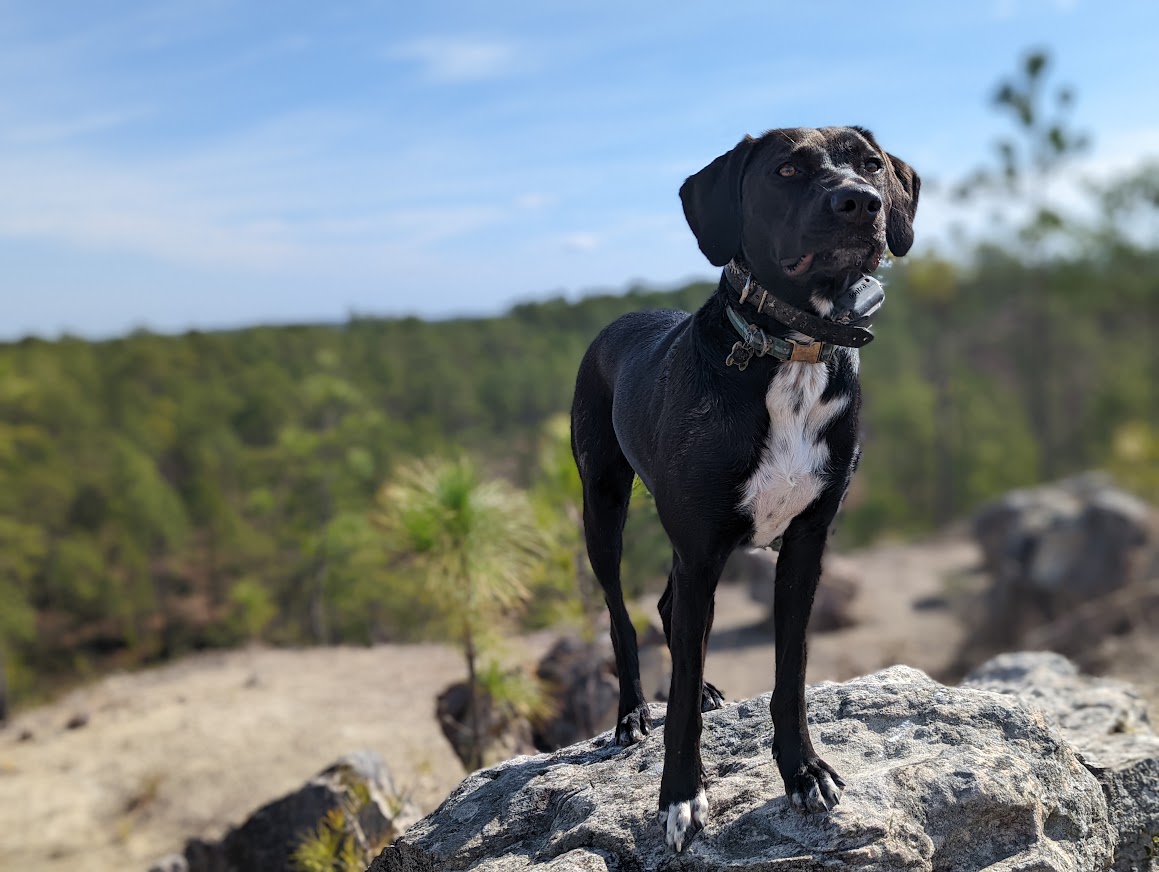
856 205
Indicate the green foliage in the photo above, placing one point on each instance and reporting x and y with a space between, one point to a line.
1135 459
563 589
647 552
522 695
1043 141
332 847
338 843
472 545
472 542
251 609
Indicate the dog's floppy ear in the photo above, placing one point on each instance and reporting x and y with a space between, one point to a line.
904 187
711 200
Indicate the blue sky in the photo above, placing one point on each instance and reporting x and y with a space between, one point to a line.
215 163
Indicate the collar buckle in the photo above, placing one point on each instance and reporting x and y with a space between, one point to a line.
754 342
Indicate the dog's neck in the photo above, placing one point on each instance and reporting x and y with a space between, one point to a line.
838 314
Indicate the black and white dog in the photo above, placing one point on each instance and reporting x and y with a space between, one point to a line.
742 422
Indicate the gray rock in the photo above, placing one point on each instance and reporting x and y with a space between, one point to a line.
267 840
938 778
502 732
1108 724
1052 547
581 680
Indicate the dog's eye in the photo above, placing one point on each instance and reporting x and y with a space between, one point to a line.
787 170
873 165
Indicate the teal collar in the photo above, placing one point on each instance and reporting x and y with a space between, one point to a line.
755 342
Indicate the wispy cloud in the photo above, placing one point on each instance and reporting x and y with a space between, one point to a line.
1003 10
59 131
278 197
453 59
581 242
533 200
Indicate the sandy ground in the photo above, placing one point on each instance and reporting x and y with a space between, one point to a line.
186 749
189 748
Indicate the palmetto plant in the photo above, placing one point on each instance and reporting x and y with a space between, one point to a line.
471 544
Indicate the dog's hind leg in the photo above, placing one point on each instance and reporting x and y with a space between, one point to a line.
710 697
607 487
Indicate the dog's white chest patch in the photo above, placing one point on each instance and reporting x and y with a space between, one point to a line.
791 472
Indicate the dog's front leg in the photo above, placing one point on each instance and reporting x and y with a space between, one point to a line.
683 804
810 783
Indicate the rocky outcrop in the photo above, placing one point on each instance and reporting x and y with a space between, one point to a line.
1052 547
359 785
1108 724
938 778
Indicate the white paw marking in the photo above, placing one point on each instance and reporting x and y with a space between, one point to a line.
678 820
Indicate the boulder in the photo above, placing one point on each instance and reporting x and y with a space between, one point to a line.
580 679
358 782
1050 548
503 733
838 588
938 778
1108 724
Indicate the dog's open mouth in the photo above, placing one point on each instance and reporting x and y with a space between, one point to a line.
837 259
798 267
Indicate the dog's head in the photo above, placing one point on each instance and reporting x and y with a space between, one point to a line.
803 207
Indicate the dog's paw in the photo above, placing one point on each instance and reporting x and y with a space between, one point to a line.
814 787
710 698
633 726
683 820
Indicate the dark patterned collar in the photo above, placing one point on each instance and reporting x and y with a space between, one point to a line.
846 324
